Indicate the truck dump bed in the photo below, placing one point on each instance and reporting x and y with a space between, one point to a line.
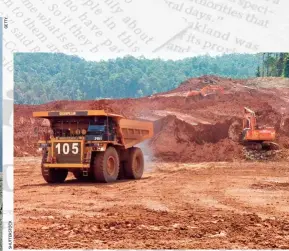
135 131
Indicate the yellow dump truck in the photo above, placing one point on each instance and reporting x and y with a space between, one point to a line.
92 144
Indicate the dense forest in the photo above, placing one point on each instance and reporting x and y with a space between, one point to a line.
274 65
43 77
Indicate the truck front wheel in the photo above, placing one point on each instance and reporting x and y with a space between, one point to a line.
134 167
106 165
51 175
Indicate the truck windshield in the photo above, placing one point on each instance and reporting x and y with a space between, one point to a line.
96 128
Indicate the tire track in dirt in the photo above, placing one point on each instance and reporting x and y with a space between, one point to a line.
228 192
162 210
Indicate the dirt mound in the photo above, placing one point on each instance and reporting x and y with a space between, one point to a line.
193 141
103 105
269 117
200 82
272 118
176 140
285 126
268 82
27 131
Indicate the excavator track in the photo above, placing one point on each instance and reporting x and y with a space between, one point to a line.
270 146
253 146
261 146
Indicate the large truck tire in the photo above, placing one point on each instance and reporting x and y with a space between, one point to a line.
52 175
106 165
134 167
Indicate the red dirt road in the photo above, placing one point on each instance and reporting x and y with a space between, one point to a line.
206 205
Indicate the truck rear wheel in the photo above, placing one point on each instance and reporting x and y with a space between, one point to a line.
52 175
106 165
134 167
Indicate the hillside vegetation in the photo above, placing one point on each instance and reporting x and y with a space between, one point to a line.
43 77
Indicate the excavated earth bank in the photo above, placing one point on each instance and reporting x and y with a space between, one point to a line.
185 130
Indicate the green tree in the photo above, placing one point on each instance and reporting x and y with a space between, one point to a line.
258 73
286 68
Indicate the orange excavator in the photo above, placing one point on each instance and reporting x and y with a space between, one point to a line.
256 137
206 91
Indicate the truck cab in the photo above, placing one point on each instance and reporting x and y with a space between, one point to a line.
101 128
